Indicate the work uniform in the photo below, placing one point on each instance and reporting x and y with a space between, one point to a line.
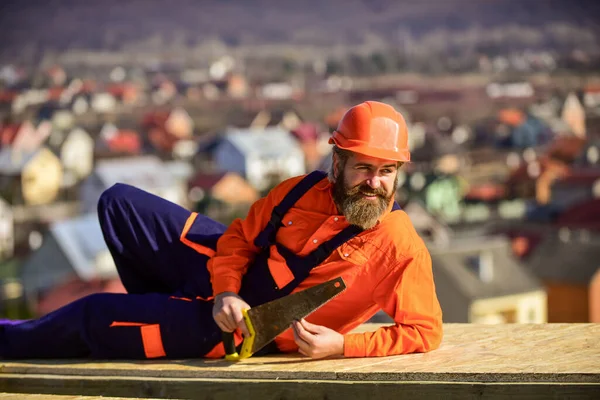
172 262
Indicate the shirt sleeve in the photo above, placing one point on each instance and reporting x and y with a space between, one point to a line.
408 295
236 249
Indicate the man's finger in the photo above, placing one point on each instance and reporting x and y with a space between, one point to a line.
228 319
303 333
303 347
239 321
224 324
302 352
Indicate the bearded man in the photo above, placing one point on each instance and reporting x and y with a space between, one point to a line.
188 278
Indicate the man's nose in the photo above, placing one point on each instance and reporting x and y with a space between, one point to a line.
374 182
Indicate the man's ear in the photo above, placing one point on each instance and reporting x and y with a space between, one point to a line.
336 165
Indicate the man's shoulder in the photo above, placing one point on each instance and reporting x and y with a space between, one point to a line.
282 188
398 235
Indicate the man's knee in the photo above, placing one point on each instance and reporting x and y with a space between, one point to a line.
115 193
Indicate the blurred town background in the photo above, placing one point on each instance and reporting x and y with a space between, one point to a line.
211 103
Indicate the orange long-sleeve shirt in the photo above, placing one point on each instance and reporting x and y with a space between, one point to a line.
387 267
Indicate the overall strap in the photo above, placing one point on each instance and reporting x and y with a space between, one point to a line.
267 236
320 254
324 250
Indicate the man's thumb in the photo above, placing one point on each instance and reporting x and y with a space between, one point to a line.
312 328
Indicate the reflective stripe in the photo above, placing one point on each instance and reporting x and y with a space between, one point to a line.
180 298
151 337
117 323
198 247
153 346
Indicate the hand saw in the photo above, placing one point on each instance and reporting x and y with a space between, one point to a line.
268 320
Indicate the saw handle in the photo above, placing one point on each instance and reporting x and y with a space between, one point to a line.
229 346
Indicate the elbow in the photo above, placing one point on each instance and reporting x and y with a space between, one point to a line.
431 336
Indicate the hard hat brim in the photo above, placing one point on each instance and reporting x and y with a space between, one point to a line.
402 155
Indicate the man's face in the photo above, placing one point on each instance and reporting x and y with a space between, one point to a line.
364 187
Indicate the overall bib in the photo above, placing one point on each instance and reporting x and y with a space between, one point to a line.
167 311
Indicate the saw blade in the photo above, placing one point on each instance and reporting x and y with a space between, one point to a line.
271 319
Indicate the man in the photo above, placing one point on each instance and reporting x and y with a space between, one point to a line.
305 231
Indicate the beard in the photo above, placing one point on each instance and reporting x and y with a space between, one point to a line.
355 207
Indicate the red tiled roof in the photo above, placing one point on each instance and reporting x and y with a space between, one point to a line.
206 181
521 174
155 119
306 132
580 176
54 93
161 139
566 148
125 141
8 133
7 96
584 215
75 289
511 116
486 192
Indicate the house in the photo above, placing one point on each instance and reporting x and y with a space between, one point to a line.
146 172
310 140
7 235
591 96
30 178
113 141
63 119
71 262
221 195
582 215
263 157
103 102
590 154
179 123
478 280
32 139
517 129
532 180
237 86
9 132
567 262
165 129
573 113
76 153
574 187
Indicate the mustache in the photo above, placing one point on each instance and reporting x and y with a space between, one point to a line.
367 191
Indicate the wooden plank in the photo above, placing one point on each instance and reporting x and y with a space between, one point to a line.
30 396
473 359
224 389
469 353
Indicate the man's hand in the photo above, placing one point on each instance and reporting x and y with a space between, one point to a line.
317 341
227 312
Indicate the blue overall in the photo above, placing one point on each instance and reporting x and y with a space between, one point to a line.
166 280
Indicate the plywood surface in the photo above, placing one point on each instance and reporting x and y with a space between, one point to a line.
28 396
469 353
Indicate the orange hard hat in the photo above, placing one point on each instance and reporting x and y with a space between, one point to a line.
374 129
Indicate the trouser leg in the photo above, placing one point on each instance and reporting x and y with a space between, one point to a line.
142 232
112 325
